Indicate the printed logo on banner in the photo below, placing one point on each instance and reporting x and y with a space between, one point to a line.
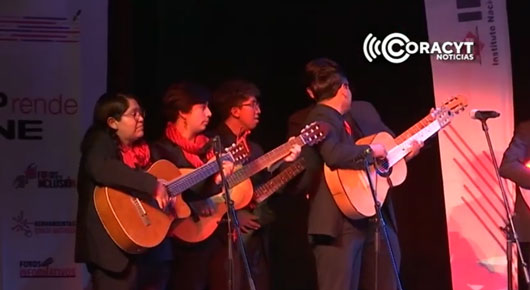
64 29
484 12
29 127
478 45
22 225
397 48
44 269
42 178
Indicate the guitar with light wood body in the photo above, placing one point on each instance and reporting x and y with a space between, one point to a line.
198 228
351 189
133 224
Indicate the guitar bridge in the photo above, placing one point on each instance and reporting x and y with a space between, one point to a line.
141 211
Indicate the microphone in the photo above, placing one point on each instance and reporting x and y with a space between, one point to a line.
483 115
216 143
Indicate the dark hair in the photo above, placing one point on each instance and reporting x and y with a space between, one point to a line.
324 78
108 105
181 97
232 94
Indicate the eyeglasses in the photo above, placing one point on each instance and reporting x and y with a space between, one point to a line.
253 104
136 114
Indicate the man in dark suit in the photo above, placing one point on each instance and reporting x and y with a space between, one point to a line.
515 166
344 249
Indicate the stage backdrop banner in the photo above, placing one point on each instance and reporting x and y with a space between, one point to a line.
47 89
473 202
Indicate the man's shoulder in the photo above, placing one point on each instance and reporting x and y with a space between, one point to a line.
362 107
523 130
525 125
300 115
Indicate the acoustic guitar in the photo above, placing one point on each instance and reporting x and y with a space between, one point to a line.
351 188
198 228
133 224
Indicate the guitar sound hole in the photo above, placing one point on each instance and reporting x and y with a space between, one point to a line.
382 167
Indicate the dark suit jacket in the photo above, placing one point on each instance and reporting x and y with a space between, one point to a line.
338 150
101 165
513 168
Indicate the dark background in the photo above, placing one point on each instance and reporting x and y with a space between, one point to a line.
154 43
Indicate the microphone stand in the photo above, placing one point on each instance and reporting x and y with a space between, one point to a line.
231 220
509 229
368 160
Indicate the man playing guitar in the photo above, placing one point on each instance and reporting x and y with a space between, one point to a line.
516 167
343 247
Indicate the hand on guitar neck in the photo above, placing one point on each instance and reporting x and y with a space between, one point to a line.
295 152
379 151
415 148
228 168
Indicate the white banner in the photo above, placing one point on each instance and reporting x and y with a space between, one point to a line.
43 109
473 202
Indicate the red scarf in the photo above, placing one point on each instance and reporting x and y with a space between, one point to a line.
242 139
137 155
347 127
191 150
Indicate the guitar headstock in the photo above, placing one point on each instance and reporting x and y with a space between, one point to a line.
314 133
449 109
238 152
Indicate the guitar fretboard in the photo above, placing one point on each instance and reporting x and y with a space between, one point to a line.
275 183
421 131
184 182
263 162
426 121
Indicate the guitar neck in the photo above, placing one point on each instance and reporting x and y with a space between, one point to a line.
275 183
184 182
421 131
263 162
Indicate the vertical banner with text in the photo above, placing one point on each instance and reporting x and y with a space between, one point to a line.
473 202
43 104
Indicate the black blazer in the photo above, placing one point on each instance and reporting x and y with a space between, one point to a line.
338 150
101 165
513 168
